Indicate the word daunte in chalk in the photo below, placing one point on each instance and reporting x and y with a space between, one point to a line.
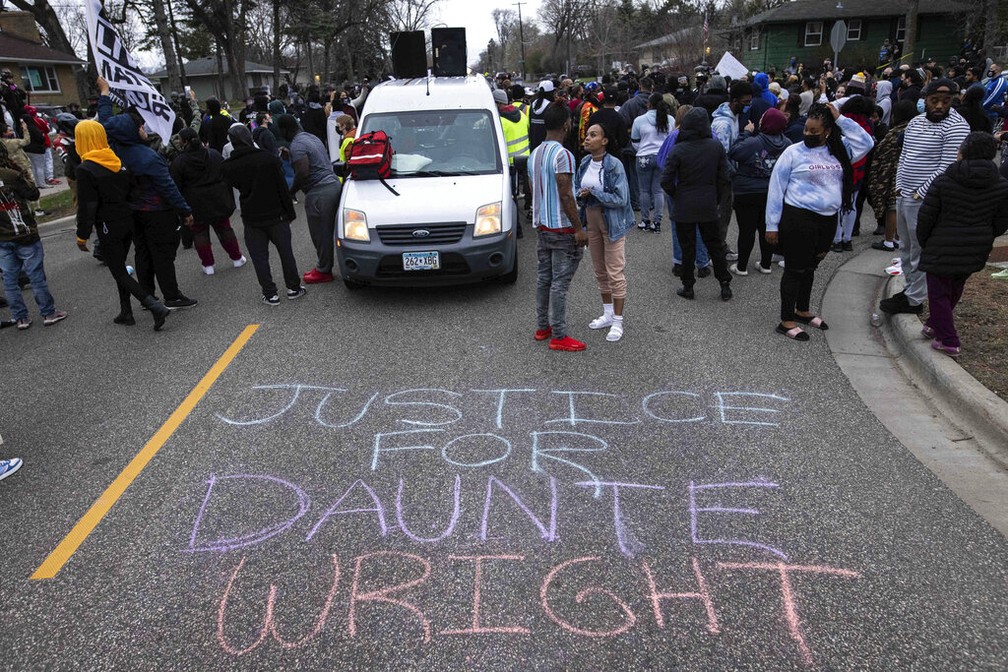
338 408
625 504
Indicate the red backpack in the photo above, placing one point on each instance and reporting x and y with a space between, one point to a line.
370 158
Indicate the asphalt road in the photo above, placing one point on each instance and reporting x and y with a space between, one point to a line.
323 505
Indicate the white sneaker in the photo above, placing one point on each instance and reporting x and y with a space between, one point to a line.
894 270
764 271
615 331
238 263
734 269
781 263
601 322
208 270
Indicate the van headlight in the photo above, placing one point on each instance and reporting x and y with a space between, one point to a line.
488 220
355 226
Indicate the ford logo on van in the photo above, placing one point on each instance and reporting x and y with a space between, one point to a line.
421 233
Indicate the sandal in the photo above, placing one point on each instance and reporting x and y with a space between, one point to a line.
795 334
814 321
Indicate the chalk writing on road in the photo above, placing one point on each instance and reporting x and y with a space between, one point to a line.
665 554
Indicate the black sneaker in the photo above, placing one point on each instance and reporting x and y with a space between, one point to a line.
295 293
726 293
847 246
703 272
880 245
180 301
657 227
898 303
836 247
271 300
677 270
685 292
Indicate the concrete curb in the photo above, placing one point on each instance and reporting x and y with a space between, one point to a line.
969 404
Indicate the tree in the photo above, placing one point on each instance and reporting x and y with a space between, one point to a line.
506 21
167 47
409 14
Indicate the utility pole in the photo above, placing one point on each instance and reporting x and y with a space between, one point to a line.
521 35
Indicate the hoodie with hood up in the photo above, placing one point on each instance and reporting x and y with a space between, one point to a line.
197 172
154 189
883 98
697 175
964 210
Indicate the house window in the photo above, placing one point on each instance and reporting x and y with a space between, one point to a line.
40 79
854 30
813 33
754 40
901 29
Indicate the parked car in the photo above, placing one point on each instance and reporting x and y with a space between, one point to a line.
453 220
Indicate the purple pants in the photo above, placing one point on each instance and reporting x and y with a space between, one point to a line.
944 292
201 240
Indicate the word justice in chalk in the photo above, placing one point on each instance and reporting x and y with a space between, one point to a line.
401 594
338 408
625 505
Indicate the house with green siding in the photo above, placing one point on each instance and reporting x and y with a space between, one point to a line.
801 29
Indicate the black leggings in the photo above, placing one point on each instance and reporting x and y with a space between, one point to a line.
750 212
116 238
709 232
805 238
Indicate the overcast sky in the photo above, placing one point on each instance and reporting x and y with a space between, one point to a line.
474 16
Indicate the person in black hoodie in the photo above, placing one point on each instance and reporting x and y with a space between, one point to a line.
197 172
267 211
964 210
213 130
103 187
697 177
756 157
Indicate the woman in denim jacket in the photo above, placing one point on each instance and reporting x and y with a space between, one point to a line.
603 195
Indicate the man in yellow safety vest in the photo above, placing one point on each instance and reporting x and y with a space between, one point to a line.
516 132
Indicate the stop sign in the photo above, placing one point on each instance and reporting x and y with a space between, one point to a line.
838 36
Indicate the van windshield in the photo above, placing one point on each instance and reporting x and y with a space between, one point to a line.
439 142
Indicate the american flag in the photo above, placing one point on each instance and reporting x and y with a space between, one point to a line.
706 28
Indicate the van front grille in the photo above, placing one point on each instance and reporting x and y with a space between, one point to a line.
444 233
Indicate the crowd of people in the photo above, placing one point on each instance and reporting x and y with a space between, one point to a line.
794 156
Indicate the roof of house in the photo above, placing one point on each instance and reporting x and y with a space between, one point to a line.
208 66
667 39
20 50
811 10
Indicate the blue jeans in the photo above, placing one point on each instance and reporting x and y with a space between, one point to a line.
651 194
15 257
559 256
702 256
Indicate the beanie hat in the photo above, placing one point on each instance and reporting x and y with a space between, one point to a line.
500 97
773 122
857 81
936 85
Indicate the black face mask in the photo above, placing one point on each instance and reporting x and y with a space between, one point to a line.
813 141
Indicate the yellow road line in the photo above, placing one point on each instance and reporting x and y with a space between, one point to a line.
71 542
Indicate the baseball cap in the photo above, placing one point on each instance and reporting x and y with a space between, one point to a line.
546 85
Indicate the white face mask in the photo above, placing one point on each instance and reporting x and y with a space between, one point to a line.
920 106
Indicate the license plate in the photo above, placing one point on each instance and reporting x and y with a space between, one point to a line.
421 261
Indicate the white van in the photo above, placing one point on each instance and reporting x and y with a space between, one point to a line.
454 220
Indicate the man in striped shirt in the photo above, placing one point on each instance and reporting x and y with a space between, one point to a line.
931 142
561 235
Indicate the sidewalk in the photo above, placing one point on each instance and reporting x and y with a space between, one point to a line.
951 423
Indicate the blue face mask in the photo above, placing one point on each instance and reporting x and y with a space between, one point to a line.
745 110
920 106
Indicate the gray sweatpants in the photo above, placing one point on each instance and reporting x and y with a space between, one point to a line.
320 209
910 250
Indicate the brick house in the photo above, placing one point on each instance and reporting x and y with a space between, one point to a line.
49 76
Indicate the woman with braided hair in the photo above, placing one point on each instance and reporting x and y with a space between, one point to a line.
811 183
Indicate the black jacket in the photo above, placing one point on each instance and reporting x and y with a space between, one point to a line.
262 190
613 122
697 175
711 100
37 144
964 210
197 173
314 121
102 197
214 130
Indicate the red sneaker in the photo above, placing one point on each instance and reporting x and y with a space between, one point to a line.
543 334
566 344
315 276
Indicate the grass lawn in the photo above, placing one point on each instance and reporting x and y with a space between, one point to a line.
57 205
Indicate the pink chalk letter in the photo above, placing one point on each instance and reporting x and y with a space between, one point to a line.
477 627
701 594
628 623
384 594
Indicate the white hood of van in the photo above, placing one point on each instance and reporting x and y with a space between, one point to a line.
424 200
